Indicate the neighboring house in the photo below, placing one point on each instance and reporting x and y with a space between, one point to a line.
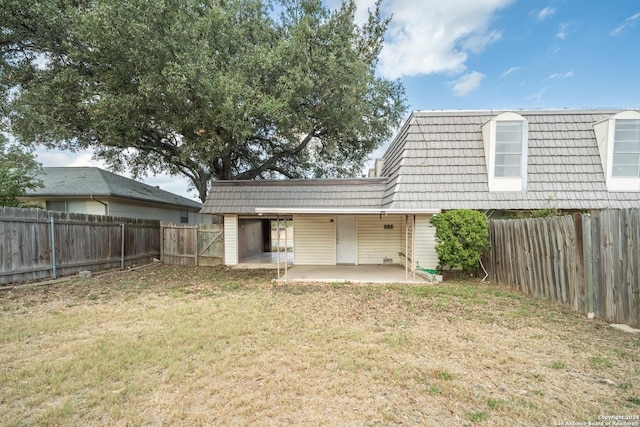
484 160
95 191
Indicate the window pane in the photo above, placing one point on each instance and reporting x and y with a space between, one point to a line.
507 171
627 146
626 149
184 217
627 130
508 149
60 206
626 165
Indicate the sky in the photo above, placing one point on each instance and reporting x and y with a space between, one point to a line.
491 54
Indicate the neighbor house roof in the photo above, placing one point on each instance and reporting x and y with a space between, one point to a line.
437 160
93 181
244 197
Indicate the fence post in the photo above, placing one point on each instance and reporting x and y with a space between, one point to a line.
122 248
53 249
195 244
587 254
162 241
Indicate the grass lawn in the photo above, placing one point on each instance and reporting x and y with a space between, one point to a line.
211 346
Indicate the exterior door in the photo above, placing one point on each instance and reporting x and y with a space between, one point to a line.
346 239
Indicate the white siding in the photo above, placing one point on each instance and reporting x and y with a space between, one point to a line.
314 240
426 255
375 243
230 239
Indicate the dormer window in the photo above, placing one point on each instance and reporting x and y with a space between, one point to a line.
619 144
508 149
626 149
505 149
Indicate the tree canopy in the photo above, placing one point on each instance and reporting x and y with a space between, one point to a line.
18 173
210 89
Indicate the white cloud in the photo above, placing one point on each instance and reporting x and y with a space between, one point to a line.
433 36
544 13
467 83
509 71
627 23
559 76
536 98
562 30
477 43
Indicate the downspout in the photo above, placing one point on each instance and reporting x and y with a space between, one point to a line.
106 206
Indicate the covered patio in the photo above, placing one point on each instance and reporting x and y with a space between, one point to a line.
351 274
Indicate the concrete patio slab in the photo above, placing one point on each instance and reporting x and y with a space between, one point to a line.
350 273
267 260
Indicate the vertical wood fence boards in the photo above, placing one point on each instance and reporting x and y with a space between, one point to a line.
81 242
192 245
587 262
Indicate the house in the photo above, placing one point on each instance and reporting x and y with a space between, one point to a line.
493 161
92 190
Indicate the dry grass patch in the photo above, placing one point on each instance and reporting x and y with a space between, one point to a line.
212 346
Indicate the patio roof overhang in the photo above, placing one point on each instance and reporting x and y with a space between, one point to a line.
345 211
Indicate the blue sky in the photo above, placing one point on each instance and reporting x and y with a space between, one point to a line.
493 54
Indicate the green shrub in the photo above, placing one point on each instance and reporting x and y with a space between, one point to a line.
462 237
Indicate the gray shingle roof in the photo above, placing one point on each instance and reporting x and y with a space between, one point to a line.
437 161
92 181
242 197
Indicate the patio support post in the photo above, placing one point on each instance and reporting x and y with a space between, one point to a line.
406 248
286 251
278 243
413 247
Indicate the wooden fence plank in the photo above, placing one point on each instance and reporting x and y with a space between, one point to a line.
192 245
81 242
588 262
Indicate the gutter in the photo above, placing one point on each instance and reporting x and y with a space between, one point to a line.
106 206
353 211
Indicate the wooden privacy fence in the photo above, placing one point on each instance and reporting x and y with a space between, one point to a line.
37 244
588 262
202 244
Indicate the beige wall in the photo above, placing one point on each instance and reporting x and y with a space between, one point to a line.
314 241
126 208
375 243
426 255
230 239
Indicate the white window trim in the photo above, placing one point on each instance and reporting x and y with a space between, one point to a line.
501 184
605 131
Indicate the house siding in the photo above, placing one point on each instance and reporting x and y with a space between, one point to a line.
426 255
314 240
230 239
375 243
123 208
131 210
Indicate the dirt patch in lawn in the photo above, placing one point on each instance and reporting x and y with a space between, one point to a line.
213 346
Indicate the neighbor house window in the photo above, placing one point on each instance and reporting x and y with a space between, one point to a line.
184 217
508 149
626 149
57 205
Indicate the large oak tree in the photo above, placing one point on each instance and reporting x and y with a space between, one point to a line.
210 89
